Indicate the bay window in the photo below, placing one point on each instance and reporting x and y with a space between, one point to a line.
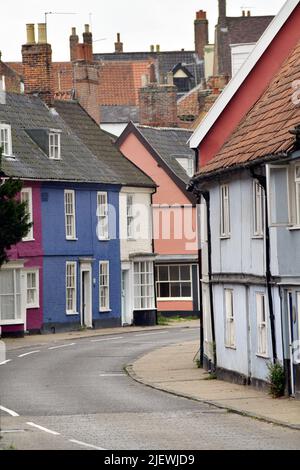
143 286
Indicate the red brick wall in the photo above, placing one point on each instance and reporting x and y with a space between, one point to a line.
86 82
158 106
37 71
12 79
201 33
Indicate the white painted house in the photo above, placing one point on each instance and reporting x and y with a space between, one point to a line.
137 257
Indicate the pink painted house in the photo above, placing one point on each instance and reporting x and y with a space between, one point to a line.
22 277
163 154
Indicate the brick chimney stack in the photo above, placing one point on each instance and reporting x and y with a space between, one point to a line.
158 105
201 33
222 13
37 64
74 41
118 44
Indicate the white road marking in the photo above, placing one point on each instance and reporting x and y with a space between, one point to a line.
5 362
85 445
106 339
54 433
29 353
151 334
113 375
63 346
10 412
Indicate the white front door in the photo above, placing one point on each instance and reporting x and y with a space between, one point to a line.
86 296
127 315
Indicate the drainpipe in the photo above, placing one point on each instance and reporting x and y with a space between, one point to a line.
153 251
200 274
263 182
206 196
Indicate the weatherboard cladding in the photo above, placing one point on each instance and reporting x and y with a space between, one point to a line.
78 162
169 144
265 129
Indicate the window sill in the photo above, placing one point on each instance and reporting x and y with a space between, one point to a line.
32 307
26 240
293 228
104 239
225 237
233 348
72 314
176 299
257 237
263 356
12 323
105 311
72 239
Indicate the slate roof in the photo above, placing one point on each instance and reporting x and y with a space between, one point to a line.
78 163
167 60
169 144
119 114
100 144
265 130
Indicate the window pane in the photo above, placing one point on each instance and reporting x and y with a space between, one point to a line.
163 273
186 290
164 290
185 273
174 273
175 290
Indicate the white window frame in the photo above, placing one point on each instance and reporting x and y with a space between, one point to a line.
6 144
102 216
104 286
258 210
262 325
26 196
144 298
297 194
70 235
188 164
170 282
36 289
230 339
225 226
16 320
53 145
130 216
71 287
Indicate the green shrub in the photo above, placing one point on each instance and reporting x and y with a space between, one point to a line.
276 379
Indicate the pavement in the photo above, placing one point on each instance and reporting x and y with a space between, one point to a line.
173 370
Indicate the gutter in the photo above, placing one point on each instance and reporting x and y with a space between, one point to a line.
263 182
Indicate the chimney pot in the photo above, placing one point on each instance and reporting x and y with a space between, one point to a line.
86 28
152 48
74 33
249 13
42 28
30 33
157 48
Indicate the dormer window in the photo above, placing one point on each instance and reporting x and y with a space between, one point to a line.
187 164
54 146
5 139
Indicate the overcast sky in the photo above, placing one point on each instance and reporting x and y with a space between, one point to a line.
140 22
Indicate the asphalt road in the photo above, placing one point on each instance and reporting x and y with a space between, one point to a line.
76 395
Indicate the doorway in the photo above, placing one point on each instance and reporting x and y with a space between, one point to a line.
126 309
86 297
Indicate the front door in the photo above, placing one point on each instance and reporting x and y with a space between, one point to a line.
86 298
126 313
291 322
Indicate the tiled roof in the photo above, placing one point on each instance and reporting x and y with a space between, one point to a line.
16 66
97 163
100 144
119 114
169 144
120 82
167 60
265 130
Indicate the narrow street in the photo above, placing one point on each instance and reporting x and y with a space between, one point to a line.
76 395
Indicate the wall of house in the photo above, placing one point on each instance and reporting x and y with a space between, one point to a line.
142 242
252 88
241 253
58 251
32 253
168 194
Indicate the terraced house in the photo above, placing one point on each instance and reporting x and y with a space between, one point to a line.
67 272
250 212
